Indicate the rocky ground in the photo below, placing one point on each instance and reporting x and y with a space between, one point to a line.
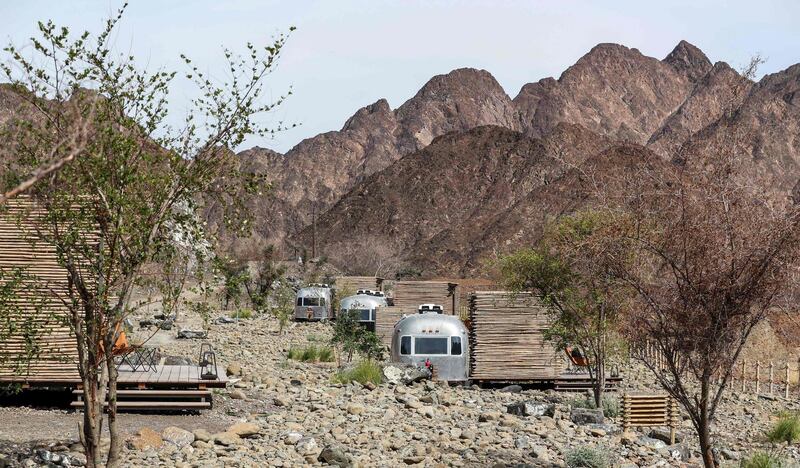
278 412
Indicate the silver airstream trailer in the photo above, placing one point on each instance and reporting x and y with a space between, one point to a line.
313 303
366 303
431 337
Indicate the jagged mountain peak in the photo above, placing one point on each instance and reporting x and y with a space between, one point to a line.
378 109
689 60
460 78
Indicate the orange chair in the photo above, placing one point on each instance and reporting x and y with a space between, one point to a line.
576 357
136 356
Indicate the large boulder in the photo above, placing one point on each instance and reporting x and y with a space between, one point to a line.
186 334
146 439
177 436
335 456
531 408
245 429
396 373
582 416
234 369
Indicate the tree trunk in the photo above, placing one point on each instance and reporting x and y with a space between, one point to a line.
115 447
705 444
599 382
704 425
92 427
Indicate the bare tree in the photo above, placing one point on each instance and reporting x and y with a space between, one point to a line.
708 253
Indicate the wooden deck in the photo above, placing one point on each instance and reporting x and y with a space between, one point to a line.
162 377
170 376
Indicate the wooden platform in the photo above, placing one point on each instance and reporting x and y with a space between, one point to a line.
162 377
173 388
170 376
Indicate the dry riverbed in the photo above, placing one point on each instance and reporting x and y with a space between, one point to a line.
278 412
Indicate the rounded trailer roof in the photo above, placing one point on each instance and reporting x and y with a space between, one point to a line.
416 323
363 300
313 292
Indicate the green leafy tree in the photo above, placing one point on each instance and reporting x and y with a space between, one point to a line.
235 277
262 283
567 269
350 337
283 307
137 182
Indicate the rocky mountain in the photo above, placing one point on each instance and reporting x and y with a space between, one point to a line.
445 176
446 208
313 175
612 91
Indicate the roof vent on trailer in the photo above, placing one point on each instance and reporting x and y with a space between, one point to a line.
430 309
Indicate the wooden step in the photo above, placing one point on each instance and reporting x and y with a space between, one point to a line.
158 393
162 405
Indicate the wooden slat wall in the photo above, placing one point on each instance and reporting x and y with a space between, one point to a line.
507 341
355 283
386 318
413 293
52 339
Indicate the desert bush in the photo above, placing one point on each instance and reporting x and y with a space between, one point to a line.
262 283
294 353
363 372
762 460
786 429
587 457
244 313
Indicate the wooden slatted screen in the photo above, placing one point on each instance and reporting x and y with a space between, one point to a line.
644 410
386 318
37 344
413 293
354 283
507 338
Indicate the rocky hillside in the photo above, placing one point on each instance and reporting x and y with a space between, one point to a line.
467 196
470 194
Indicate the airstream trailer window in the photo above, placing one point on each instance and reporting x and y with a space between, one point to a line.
405 345
430 345
311 301
455 345
365 315
300 301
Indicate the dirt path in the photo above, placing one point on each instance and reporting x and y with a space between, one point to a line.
26 424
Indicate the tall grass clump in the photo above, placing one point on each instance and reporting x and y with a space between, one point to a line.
587 457
363 372
311 353
762 460
609 403
786 429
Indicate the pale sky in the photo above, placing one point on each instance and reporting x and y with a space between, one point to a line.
348 54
